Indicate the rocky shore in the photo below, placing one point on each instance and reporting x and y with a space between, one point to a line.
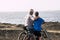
13 34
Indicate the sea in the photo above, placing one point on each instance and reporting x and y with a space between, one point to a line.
19 17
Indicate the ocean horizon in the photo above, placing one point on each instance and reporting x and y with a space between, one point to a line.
18 17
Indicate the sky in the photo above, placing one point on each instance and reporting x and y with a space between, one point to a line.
25 5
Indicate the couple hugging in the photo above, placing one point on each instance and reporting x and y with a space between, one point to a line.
34 23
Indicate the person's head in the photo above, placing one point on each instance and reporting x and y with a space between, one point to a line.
36 13
31 11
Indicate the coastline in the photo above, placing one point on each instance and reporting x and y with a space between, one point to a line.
46 25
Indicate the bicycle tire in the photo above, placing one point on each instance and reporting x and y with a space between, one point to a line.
21 35
45 35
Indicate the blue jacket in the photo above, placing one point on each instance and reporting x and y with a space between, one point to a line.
37 24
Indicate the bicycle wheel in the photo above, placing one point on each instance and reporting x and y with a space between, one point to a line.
29 37
47 35
21 35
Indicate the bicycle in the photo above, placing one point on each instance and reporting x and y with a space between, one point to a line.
26 35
